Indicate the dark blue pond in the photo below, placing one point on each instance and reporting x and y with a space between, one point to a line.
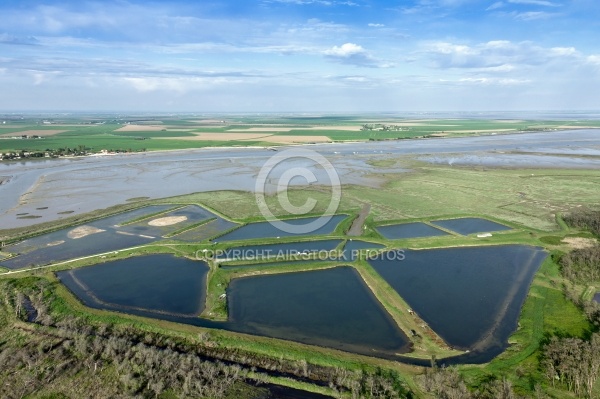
331 307
470 296
597 297
409 230
466 226
157 283
268 230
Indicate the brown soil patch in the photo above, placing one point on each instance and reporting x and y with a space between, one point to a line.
41 133
167 221
297 139
150 128
579 242
83 231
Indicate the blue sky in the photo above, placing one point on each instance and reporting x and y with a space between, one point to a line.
300 55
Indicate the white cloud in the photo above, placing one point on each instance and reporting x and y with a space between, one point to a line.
495 6
354 54
376 25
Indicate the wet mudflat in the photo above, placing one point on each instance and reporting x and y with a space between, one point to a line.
156 283
470 296
466 226
409 230
269 230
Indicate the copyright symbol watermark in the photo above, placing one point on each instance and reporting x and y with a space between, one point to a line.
298 165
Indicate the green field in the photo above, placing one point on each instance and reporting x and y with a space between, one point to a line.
100 133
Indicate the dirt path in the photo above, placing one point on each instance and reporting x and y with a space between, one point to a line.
357 226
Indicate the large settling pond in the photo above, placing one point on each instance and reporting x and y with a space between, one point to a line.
471 297
331 308
157 283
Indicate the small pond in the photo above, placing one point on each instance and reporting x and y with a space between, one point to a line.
268 230
156 283
466 226
470 296
409 230
597 297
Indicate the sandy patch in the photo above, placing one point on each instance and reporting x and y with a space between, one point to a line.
298 139
263 129
41 133
150 128
167 221
83 231
55 243
579 242
220 136
290 129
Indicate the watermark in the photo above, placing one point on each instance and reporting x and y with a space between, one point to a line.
280 170
270 255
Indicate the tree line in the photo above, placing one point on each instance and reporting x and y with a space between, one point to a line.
66 353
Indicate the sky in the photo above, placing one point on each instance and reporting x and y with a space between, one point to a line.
315 56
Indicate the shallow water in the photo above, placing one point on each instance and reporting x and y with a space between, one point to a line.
409 230
466 226
470 296
114 235
597 297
